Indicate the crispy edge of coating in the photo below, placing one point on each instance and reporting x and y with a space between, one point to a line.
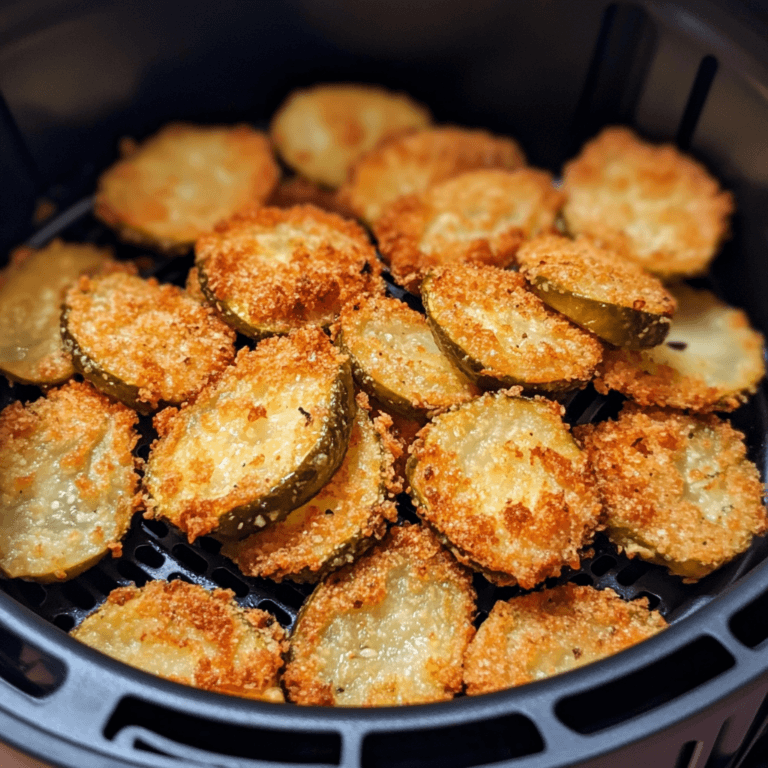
306 350
642 444
276 554
470 536
317 280
437 153
578 264
215 613
401 226
468 285
363 583
338 105
552 619
655 166
264 175
59 413
136 364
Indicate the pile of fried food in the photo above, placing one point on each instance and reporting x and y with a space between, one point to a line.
291 448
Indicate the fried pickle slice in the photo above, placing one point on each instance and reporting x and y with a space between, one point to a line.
477 217
390 629
67 482
333 527
396 360
678 490
712 359
321 131
506 487
143 343
499 333
177 184
651 203
546 633
260 441
411 163
595 288
32 288
190 635
271 270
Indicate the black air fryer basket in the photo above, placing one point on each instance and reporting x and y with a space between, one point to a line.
74 77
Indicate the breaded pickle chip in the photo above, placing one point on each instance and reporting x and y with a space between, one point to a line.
595 288
31 291
321 131
712 360
656 206
177 184
678 490
478 217
67 482
143 343
271 270
396 360
506 487
501 334
553 631
411 163
261 440
185 633
390 629
341 521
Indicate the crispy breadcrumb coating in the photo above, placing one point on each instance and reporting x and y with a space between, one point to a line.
390 629
712 359
478 217
321 131
679 490
546 633
67 482
155 341
271 270
411 163
190 635
506 487
178 183
651 203
32 288
341 521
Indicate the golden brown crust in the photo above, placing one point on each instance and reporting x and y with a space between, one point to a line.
507 488
498 331
651 203
178 183
190 635
477 217
678 489
237 453
712 359
32 288
153 338
546 633
411 163
67 482
390 629
275 269
321 131
337 524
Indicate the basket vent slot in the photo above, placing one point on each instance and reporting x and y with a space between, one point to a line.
750 624
218 738
28 669
482 742
646 688
699 92
689 754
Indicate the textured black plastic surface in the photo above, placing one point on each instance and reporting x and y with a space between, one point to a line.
550 74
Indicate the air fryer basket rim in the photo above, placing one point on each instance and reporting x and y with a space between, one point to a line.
94 685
